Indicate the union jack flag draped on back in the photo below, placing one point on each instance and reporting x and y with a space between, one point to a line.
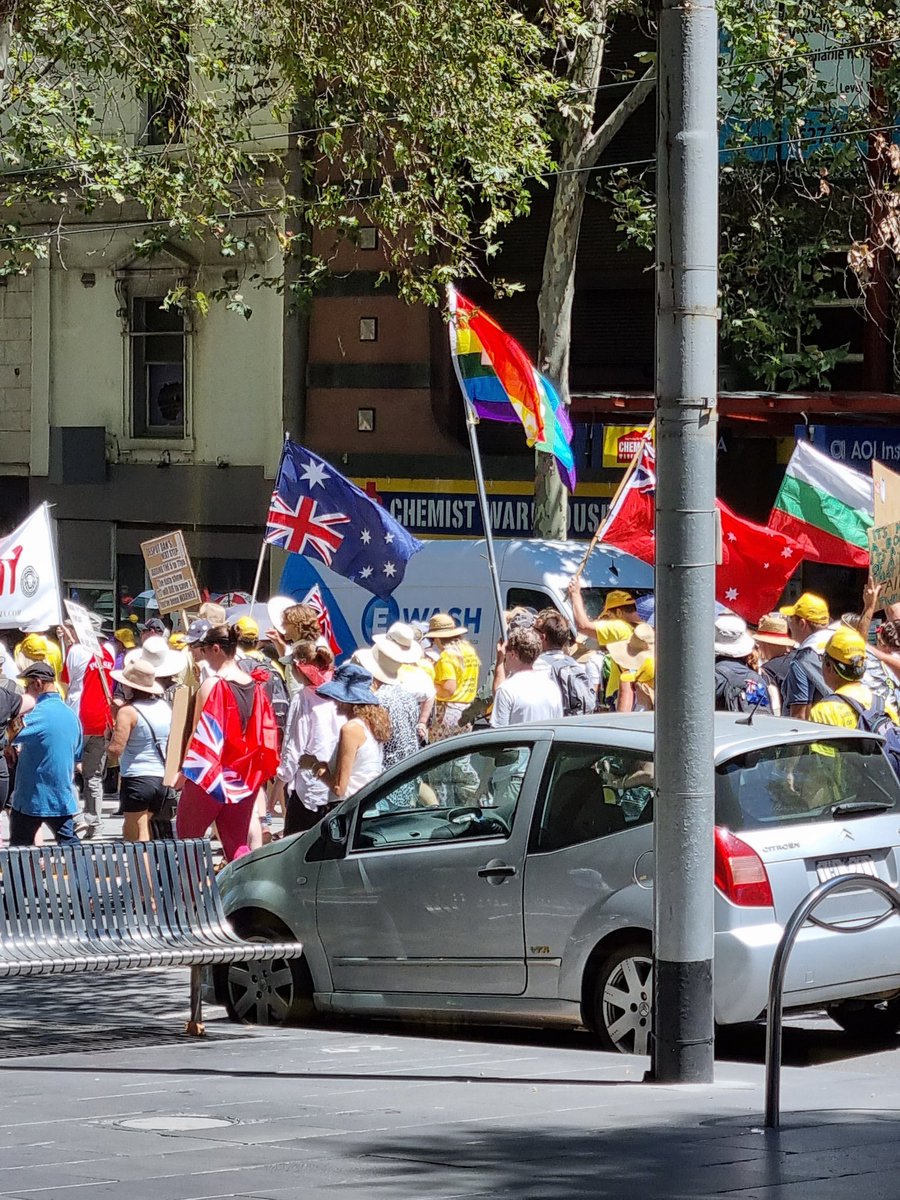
316 512
228 762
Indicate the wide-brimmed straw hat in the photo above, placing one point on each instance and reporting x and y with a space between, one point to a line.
165 661
773 630
628 656
442 625
139 676
732 639
352 684
379 666
399 643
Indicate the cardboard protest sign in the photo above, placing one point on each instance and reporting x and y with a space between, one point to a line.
85 633
171 574
884 550
178 734
886 485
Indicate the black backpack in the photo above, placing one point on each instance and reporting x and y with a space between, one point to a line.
740 689
275 687
875 720
578 697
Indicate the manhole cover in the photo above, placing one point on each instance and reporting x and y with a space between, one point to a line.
162 1124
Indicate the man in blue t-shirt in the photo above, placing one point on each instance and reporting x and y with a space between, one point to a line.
48 746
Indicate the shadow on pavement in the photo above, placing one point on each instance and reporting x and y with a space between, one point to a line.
823 1155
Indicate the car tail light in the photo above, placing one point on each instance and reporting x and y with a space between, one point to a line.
740 872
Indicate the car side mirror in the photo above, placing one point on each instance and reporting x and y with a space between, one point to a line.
336 829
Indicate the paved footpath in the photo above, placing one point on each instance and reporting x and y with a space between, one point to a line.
102 1097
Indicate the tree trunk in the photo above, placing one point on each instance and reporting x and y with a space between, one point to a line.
557 294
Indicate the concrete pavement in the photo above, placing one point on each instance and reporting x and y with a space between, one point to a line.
104 1097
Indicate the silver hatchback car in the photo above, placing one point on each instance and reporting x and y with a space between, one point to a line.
506 876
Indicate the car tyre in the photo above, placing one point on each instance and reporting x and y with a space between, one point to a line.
622 1008
875 1020
274 991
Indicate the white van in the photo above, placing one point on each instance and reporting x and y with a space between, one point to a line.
451 575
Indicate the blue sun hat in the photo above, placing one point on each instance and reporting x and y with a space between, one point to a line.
351 684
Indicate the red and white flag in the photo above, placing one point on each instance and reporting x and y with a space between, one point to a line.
314 599
756 563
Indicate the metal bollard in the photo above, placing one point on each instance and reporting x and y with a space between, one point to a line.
775 1011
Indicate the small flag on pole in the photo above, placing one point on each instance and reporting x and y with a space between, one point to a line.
500 383
318 513
315 601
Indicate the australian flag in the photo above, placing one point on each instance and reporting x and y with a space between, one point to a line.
316 512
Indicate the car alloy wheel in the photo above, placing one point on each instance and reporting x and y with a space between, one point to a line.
623 1000
260 993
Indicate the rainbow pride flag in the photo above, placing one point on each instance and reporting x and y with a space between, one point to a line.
500 383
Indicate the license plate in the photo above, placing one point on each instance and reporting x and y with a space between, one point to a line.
850 864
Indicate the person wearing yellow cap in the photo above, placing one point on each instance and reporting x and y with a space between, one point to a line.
248 645
843 666
804 683
37 647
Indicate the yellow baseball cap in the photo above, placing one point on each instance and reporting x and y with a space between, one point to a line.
247 628
846 646
809 607
35 646
177 641
126 637
617 599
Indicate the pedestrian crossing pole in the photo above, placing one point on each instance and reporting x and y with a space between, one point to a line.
686 537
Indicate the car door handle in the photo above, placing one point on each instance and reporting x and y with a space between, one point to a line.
496 871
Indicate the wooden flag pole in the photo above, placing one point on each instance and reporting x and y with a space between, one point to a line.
602 527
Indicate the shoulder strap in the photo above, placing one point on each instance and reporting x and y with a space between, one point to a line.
153 736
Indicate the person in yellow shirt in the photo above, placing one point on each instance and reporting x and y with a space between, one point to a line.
615 624
843 666
455 672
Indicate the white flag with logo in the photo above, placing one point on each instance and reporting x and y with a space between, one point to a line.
29 582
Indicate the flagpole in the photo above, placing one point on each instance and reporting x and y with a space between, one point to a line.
604 524
471 422
265 544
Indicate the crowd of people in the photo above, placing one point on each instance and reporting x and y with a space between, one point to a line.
267 722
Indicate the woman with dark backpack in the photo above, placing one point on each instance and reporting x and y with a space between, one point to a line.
739 688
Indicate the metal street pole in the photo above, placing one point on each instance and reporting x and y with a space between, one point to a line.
686 537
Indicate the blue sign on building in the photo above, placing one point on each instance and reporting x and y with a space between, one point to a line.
855 445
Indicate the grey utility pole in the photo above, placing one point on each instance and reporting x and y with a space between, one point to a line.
686 537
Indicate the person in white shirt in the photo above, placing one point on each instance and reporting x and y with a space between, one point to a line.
525 694
313 728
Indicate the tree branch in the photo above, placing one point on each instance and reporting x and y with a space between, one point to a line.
601 137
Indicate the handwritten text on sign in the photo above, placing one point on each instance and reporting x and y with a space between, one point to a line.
884 544
171 573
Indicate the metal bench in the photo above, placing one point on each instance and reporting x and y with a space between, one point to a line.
108 907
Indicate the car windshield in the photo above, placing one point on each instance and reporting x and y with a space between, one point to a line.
805 781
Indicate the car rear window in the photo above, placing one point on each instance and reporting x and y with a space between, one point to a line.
806 781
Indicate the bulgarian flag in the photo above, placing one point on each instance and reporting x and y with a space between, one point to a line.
826 507
500 383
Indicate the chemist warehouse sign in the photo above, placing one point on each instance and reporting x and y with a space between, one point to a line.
449 507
